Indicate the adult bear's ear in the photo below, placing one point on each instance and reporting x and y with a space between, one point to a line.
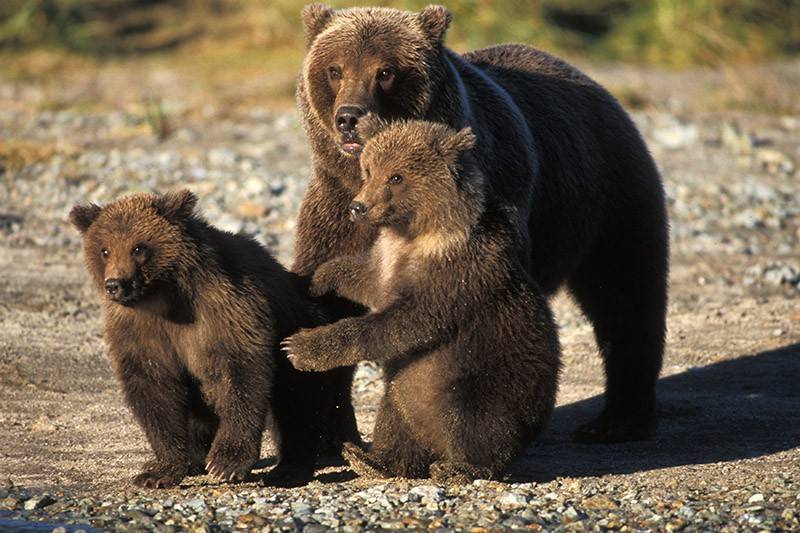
83 215
434 21
177 205
460 141
315 18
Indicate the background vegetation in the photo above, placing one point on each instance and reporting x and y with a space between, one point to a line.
664 32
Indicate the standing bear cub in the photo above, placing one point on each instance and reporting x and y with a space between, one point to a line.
468 344
193 320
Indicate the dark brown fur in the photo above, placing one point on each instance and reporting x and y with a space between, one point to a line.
468 345
559 156
193 332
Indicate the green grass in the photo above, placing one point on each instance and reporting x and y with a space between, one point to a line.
674 33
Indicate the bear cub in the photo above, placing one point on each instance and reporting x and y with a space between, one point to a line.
467 342
193 321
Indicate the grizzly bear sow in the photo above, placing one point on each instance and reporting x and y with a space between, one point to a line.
559 155
193 320
469 347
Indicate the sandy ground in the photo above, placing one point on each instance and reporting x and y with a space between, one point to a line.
729 393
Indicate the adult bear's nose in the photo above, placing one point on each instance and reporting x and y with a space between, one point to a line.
357 210
347 118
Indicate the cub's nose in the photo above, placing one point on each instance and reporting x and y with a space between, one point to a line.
113 286
347 118
357 210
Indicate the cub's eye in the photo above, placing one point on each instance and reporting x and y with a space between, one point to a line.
385 74
104 253
335 73
396 179
139 250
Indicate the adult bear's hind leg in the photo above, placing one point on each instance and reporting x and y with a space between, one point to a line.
622 288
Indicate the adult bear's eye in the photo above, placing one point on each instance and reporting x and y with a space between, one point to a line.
104 253
139 250
385 75
396 179
335 73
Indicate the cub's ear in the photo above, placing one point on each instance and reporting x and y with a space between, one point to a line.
460 141
177 205
315 18
83 215
434 21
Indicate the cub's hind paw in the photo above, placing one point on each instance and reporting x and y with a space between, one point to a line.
448 473
363 462
231 461
159 477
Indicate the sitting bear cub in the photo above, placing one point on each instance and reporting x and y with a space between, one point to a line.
468 344
193 320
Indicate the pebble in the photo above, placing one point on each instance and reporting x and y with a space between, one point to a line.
513 499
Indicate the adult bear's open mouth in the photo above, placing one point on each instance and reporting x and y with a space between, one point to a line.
351 146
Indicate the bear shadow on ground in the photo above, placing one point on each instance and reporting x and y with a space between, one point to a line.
736 409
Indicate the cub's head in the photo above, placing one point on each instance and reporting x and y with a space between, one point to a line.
133 244
417 175
364 61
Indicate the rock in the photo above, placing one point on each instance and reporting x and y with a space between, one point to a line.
38 502
222 157
430 492
513 499
302 508
756 498
599 502
9 503
570 514
676 135
774 160
198 505
43 425
250 209
736 140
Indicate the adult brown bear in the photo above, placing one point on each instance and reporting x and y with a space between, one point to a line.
558 152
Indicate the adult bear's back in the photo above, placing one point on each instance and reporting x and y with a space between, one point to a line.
593 164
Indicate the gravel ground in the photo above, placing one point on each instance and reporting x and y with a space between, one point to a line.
727 456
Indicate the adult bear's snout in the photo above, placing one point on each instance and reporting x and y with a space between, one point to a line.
347 118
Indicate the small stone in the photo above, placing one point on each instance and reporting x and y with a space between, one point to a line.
250 209
756 498
676 135
570 514
197 505
430 492
43 425
59 529
599 502
513 499
8 504
39 502
736 140
301 508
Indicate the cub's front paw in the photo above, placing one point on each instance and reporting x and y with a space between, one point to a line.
306 351
160 476
231 461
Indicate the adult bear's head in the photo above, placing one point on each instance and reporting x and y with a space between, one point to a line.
370 60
